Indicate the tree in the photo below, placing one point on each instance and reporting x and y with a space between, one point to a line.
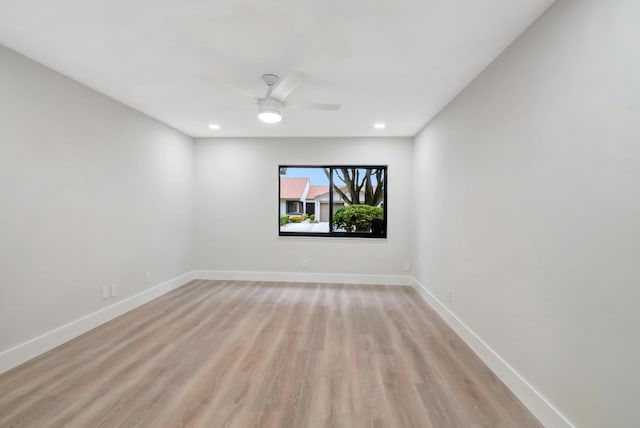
355 179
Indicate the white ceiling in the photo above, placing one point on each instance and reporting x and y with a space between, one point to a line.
397 61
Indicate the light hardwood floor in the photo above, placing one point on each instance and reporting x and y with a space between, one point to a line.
258 354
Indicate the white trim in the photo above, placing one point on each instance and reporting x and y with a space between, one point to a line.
546 413
22 353
334 278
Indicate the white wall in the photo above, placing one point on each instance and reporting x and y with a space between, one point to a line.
242 233
91 193
525 190
528 186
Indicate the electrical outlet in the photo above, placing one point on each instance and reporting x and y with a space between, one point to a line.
449 297
407 267
147 278
305 264
105 292
114 290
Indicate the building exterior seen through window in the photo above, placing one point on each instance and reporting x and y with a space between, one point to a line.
338 201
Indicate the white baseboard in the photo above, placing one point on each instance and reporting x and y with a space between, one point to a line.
333 278
22 353
546 413
17 355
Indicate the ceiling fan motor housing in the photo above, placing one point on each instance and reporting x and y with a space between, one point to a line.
269 104
269 110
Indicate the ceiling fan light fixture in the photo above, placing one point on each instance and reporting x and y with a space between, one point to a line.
269 116
269 110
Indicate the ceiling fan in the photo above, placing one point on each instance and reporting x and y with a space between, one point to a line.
275 100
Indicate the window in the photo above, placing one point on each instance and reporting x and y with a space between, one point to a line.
294 207
342 201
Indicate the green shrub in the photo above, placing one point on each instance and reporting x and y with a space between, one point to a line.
295 219
356 218
305 216
312 218
284 219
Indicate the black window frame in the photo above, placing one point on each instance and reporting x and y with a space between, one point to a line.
331 233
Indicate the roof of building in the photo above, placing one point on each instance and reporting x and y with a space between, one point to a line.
292 188
315 190
323 190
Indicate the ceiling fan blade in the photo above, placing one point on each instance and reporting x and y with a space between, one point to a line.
220 108
231 87
238 90
287 85
313 106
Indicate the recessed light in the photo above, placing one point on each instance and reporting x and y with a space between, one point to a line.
214 126
380 125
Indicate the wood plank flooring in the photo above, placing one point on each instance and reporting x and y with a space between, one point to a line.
258 354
